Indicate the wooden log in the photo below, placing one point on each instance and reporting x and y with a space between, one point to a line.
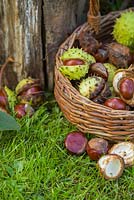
61 17
20 37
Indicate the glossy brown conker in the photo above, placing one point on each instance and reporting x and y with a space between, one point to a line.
116 103
126 88
72 62
96 147
75 142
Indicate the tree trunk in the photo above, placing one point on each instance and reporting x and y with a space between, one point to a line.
20 37
31 32
61 17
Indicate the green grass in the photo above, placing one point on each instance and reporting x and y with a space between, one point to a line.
34 165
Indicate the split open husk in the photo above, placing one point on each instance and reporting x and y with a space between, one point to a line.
125 150
119 76
111 166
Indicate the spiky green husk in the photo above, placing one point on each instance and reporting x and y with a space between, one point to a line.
91 86
74 72
111 69
73 53
26 82
12 98
123 31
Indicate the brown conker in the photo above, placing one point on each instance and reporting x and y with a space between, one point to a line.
71 62
116 103
96 147
33 90
126 88
21 110
101 55
99 69
75 142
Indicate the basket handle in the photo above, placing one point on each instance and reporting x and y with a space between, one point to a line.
93 16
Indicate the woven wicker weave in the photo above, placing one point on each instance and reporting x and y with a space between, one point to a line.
90 117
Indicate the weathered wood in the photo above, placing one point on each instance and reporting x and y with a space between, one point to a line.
61 17
20 37
32 30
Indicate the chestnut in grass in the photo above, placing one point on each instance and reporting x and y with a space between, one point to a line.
111 166
125 150
71 62
23 109
96 147
116 103
126 88
30 91
75 142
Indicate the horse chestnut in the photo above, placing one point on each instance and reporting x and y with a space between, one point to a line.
99 69
23 109
127 88
101 55
72 62
116 103
29 91
96 147
33 90
75 142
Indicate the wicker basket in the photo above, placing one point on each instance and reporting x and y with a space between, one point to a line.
90 117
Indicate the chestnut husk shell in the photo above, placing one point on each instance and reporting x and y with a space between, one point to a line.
125 150
92 85
104 161
27 85
103 95
118 77
35 99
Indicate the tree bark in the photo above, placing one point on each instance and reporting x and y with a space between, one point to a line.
31 32
20 37
61 17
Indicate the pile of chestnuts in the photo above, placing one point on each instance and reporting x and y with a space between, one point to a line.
109 77
110 158
25 99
